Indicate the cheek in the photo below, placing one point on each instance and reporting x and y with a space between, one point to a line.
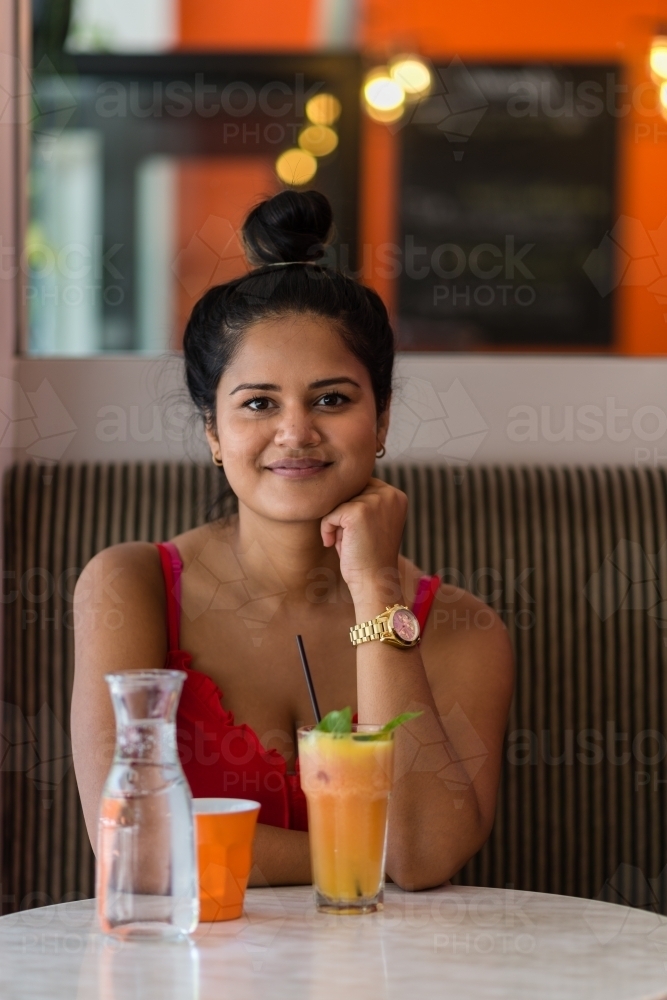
357 435
239 449
240 440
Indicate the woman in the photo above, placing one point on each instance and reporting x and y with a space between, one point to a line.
291 368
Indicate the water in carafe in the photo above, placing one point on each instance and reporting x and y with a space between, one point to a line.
146 877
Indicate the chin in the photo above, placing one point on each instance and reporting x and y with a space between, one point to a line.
296 508
295 512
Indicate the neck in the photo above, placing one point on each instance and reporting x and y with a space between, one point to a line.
285 553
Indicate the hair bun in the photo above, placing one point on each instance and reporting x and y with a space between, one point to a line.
290 226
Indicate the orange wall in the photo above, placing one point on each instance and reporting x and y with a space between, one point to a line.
251 25
524 29
570 30
214 197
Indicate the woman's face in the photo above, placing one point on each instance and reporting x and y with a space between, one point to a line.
296 424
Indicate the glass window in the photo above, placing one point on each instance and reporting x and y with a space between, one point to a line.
143 169
508 194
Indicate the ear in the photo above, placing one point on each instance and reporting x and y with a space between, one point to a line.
212 439
383 423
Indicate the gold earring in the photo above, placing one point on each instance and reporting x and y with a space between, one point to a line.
216 462
381 452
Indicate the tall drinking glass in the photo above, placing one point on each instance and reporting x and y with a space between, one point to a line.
347 780
146 879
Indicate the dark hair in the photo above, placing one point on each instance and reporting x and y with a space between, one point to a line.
291 228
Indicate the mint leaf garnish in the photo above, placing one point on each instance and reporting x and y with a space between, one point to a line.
336 722
341 722
399 720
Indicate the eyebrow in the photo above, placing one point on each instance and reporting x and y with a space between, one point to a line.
272 387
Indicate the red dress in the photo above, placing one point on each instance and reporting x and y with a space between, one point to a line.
219 757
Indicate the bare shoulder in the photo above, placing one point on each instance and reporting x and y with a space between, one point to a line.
126 567
120 610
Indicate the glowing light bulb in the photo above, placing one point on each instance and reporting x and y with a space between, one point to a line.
323 109
296 166
382 93
320 140
412 74
658 56
385 116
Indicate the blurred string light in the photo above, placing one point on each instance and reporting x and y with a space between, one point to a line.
320 140
658 57
412 74
387 89
296 166
323 109
658 63
384 97
299 165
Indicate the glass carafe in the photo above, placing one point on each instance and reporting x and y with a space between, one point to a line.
146 878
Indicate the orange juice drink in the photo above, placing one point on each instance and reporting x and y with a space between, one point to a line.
347 780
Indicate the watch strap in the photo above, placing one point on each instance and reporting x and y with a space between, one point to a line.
367 631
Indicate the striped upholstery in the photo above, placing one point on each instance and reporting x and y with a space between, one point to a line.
575 560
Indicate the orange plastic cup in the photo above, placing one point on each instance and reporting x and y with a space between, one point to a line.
225 832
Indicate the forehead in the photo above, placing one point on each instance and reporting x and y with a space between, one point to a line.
296 346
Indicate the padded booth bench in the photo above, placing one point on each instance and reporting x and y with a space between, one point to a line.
573 559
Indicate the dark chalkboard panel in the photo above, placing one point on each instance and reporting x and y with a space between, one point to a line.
507 190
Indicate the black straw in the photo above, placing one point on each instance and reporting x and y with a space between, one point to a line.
309 679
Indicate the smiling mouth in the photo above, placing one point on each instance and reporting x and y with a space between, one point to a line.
297 468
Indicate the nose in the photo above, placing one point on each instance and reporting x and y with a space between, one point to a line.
297 428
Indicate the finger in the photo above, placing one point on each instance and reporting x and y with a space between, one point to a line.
335 517
329 527
328 538
338 515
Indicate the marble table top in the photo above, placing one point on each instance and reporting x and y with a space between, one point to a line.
453 942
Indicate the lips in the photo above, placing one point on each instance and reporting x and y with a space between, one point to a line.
297 468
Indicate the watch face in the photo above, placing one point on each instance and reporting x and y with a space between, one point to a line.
405 625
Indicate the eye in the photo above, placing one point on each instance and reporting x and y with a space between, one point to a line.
258 403
333 399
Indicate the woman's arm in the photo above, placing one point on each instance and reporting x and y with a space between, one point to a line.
119 615
447 761
120 619
280 857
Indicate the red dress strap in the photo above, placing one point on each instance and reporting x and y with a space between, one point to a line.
172 567
427 588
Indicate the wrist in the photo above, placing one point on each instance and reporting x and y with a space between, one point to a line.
370 605
374 590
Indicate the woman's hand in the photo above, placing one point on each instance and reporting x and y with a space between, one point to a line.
366 531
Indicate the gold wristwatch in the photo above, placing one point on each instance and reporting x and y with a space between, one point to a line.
397 625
